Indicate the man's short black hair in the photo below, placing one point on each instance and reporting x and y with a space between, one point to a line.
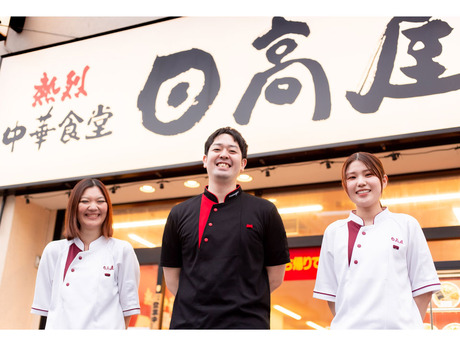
236 136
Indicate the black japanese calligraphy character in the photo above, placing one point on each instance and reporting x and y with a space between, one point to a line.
284 90
99 119
43 130
70 129
17 132
168 67
426 72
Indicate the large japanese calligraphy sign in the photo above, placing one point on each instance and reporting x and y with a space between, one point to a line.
146 98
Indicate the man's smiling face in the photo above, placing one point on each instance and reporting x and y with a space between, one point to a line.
224 159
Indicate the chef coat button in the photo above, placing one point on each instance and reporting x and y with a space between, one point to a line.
67 284
206 239
364 232
72 270
210 224
355 262
80 257
215 209
359 246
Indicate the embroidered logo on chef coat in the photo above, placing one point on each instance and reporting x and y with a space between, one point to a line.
107 268
398 243
233 194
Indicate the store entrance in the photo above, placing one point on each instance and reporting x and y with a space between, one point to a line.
306 212
292 305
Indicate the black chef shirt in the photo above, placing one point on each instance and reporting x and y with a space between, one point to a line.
223 281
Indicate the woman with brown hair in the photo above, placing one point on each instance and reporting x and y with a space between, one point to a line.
375 268
89 280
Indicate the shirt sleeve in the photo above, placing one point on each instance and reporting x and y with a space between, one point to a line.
128 281
276 249
171 251
422 272
326 282
44 280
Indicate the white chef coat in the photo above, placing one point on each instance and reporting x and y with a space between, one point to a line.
390 264
98 289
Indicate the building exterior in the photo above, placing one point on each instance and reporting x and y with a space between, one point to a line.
132 100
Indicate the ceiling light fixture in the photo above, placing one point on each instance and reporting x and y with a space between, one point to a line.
244 178
138 224
328 163
287 312
114 189
421 198
267 171
191 184
314 325
141 240
394 156
146 189
300 209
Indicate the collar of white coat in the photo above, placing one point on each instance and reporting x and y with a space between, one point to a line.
378 218
95 245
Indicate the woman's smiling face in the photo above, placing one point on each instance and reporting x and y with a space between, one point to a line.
363 187
92 209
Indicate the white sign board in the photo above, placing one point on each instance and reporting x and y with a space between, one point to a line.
148 97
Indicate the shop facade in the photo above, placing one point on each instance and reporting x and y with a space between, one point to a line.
305 93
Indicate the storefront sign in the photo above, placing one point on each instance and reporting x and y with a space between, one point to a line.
303 265
148 97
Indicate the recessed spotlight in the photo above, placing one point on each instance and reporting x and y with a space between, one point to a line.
244 178
147 189
191 184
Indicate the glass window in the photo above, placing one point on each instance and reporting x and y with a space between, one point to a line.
142 225
446 303
148 297
433 202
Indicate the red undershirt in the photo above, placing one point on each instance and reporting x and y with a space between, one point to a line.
205 209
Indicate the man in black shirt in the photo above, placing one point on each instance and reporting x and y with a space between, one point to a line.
223 251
